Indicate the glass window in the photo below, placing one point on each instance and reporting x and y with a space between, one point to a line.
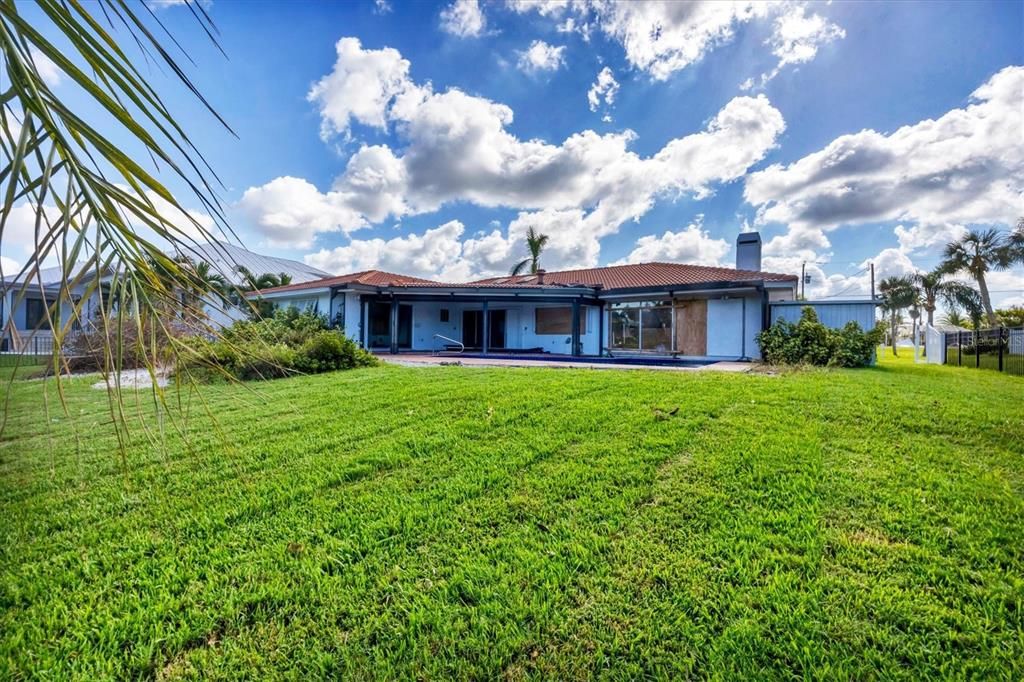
656 329
626 328
642 325
35 314
444 314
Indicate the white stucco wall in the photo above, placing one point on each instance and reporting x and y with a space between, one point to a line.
728 337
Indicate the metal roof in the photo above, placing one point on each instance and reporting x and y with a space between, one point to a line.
224 257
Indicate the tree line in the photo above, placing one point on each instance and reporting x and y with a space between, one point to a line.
976 254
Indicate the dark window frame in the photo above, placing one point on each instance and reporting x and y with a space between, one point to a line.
35 317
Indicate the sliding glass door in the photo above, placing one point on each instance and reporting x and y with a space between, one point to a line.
379 323
660 326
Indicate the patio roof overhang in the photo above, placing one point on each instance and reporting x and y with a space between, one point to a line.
479 294
590 294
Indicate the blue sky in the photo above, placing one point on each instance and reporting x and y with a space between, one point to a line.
844 132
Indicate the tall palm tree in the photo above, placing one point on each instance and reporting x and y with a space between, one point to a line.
535 243
897 294
977 252
933 287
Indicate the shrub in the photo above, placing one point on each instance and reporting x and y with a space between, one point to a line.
288 342
811 342
329 350
853 346
267 362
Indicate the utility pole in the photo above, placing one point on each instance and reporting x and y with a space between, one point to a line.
872 282
803 281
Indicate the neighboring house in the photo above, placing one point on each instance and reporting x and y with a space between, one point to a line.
667 309
24 323
23 320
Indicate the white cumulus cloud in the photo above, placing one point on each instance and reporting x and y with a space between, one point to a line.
690 245
48 71
604 89
290 211
458 147
965 167
359 88
541 56
663 37
796 39
463 18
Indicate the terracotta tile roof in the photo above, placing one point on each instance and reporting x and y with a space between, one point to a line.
644 275
613 277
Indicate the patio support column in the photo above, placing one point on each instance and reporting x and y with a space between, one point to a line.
394 325
576 350
364 322
487 327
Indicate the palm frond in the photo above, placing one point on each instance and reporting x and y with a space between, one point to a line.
99 208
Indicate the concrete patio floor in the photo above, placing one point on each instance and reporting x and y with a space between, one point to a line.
426 360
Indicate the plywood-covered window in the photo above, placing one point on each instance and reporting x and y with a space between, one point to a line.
557 321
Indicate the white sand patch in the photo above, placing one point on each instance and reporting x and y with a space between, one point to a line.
132 379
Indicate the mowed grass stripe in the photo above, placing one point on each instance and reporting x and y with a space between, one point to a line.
517 566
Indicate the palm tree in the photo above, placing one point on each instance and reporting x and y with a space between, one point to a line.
267 280
210 280
1015 245
933 287
953 318
897 294
977 252
535 243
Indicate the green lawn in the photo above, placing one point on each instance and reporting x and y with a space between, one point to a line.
508 523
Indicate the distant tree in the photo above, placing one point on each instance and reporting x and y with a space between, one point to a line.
1015 245
933 286
267 280
954 318
208 280
535 243
1011 317
897 294
978 252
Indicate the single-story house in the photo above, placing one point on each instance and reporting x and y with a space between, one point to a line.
665 309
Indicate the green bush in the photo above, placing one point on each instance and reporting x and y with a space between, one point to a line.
812 343
329 350
289 342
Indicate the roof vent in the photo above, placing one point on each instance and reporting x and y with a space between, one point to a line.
748 251
540 276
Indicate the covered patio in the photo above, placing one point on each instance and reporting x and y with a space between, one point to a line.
569 321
